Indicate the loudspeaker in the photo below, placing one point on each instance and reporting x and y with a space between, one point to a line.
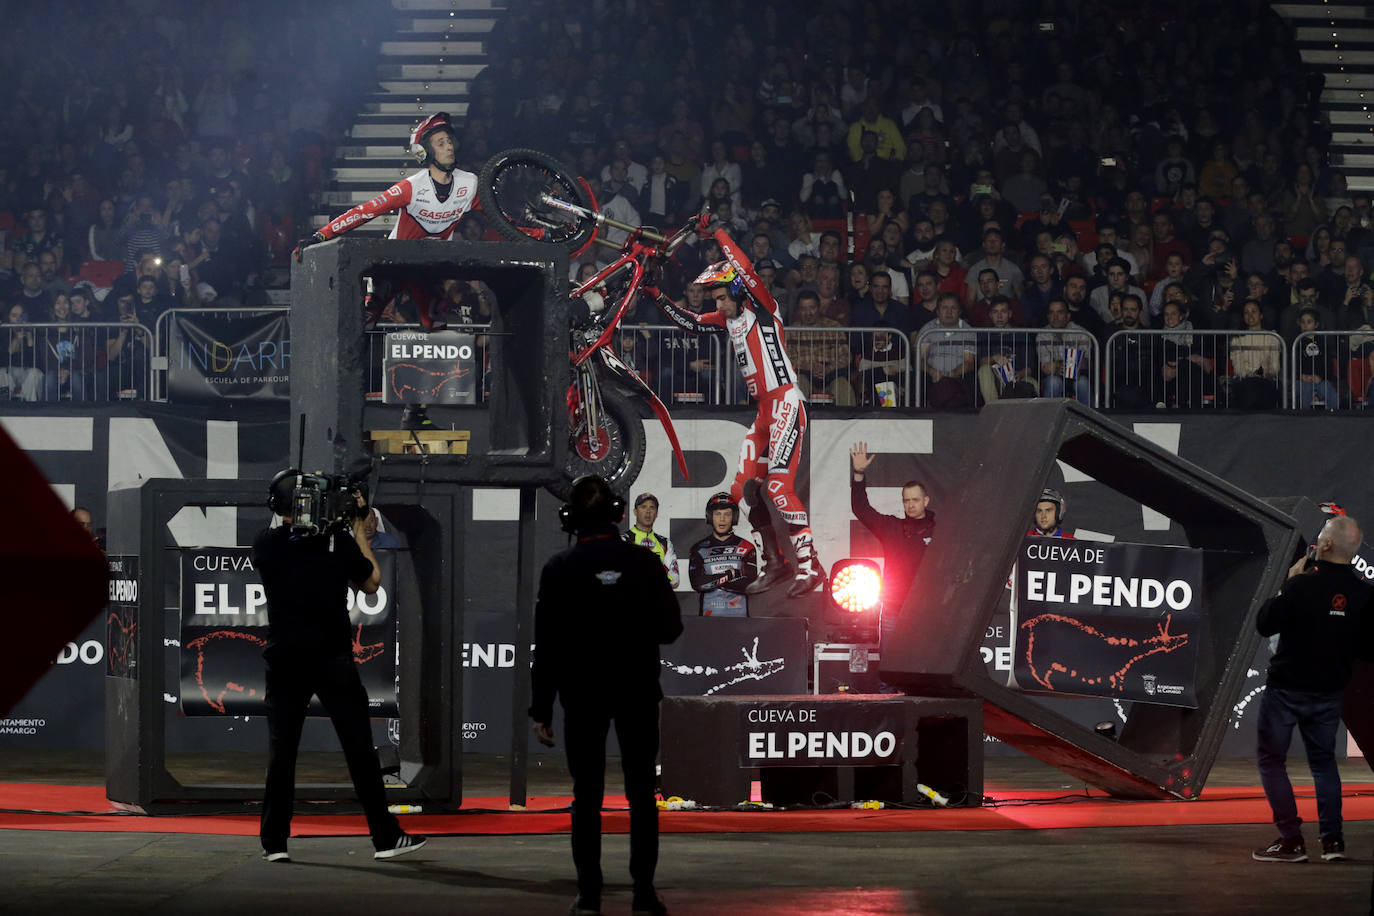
1162 750
56 578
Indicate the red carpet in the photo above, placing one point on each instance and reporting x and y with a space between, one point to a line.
28 806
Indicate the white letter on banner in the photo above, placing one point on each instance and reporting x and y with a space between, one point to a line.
756 745
138 451
1035 581
1079 585
860 744
53 434
205 597
884 744
1184 592
1102 591
796 741
257 597
1151 593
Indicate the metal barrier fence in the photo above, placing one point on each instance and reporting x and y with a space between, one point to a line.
967 367
844 367
76 361
681 367
163 337
1331 369
99 361
1195 368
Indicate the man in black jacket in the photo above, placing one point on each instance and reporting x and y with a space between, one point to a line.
604 608
904 539
722 565
1322 618
310 653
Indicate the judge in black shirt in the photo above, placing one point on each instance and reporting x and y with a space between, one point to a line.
1321 616
604 607
904 539
310 653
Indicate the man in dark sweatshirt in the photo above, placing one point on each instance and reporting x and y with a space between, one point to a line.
904 539
1322 618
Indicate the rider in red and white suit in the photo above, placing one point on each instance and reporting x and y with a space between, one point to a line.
428 205
772 447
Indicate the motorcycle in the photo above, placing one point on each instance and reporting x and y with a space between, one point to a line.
527 194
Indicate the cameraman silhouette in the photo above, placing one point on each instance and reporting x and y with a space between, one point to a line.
604 608
310 653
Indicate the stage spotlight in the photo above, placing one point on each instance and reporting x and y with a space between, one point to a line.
856 587
855 591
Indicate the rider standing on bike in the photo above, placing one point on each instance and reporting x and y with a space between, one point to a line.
772 448
431 202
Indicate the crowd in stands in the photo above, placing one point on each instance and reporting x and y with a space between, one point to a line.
156 155
1144 166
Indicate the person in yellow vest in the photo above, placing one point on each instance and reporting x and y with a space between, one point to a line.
642 533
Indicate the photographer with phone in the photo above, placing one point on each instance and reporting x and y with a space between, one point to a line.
310 653
1322 618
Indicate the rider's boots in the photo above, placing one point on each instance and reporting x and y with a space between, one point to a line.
775 565
810 572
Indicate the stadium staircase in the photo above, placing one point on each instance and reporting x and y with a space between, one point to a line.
425 66
1337 39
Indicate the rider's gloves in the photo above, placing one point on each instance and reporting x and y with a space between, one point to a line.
314 239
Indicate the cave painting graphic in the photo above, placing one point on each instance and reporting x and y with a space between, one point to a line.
119 636
215 678
751 669
1105 659
218 657
418 383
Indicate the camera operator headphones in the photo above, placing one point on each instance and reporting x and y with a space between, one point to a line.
280 489
582 511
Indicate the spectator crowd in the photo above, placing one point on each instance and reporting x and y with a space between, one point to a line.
1024 182
152 157
1057 172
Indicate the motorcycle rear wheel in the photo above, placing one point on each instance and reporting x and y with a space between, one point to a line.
623 457
510 187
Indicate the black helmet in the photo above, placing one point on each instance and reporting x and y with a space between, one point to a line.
1051 495
722 500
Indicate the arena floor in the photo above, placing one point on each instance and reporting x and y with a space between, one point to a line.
1182 869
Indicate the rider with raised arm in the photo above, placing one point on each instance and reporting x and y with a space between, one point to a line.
431 202
772 448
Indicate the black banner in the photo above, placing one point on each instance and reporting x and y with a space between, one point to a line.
233 355
1108 620
224 630
790 733
720 656
714 656
121 618
438 368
